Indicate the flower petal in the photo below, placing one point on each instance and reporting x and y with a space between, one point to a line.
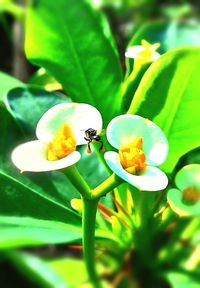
134 51
151 179
31 156
188 176
174 197
78 115
124 128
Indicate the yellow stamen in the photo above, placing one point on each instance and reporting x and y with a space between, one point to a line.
62 144
132 156
190 196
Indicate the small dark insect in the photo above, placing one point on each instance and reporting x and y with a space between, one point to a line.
91 135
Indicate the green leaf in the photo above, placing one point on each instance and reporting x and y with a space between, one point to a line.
89 166
73 48
7 83
65 267
182 280
33 100
44 80
36 270
169 95
24 231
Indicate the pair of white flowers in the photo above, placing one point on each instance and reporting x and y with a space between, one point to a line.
140 143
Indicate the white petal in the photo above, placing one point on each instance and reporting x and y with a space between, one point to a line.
79 116
188 176
132 52
151 179
124 128
31 156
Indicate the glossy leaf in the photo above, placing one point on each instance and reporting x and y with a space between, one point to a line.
86 64
24 231
28 104
169 95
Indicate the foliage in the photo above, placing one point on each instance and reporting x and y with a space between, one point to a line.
125 231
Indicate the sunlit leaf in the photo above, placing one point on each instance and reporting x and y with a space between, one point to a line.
169 95
24 231
72 46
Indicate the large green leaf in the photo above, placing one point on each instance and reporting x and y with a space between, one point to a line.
36 270
169 95
8 82
65 267
71 45
33 100
23 231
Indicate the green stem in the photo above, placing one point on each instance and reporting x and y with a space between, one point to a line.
77 180
109 184
89 218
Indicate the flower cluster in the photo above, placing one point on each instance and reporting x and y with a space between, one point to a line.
142 145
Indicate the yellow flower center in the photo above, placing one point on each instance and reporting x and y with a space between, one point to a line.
62 144
190 195
148 50
132 157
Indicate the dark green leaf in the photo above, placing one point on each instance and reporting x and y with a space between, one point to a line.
29 104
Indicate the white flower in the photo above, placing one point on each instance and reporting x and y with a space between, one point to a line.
59 131
142 145
185 200
145 52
